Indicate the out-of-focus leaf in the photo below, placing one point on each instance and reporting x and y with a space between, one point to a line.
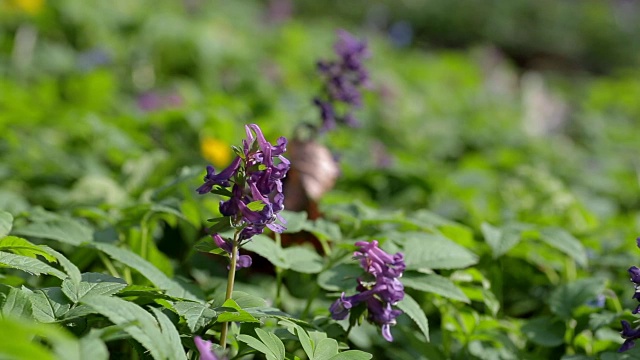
410 307
434 251
565 242
544 331
435 284
6 222
566 298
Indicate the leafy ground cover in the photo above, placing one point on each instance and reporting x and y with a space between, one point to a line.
513 196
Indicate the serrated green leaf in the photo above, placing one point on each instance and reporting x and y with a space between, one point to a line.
325 349
434 251
69 267
17 303
268 249
65 230
145 268
410 307
566 298
352 355
196 314
433 283
544 331
92 284
20 246
30 265
170 334
562 240
6 222
138 323
230 311
49 304
501 240
303 260
273 343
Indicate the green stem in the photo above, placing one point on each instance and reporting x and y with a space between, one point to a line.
109 265
310 299
230 281
278 300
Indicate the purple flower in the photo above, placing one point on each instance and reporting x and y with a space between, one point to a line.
204 347
255 178
629 335
343 79
243 261
379 294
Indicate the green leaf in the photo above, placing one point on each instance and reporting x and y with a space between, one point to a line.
6 222
92 284
17 303
20 246
562 240
413 310
145 268
566 298
341 277
352 355
305 341
435 284
30 265
49 304
245 300
434 251
208 245
170 334
323 229
325 349
545 331
196 314
138 323
256 344
490 301
273 343
69 267
303 260
92 347
501 240
230 311
220 225
268 249
21 340
295 220
65 230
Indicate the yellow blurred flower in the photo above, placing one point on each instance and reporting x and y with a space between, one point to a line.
29 6
215 151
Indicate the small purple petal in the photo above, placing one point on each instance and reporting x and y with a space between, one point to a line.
204 347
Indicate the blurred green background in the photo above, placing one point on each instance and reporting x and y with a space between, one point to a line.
480 111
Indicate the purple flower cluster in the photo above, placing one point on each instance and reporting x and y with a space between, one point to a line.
343 79
628 333
379 291
255 177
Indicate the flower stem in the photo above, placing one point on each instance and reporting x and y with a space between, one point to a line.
230 281
278 300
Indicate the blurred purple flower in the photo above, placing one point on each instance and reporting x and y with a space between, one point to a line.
204 348
343 79
378 295
153 100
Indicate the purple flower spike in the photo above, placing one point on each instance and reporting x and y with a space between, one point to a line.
343 79
379 296
256 177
